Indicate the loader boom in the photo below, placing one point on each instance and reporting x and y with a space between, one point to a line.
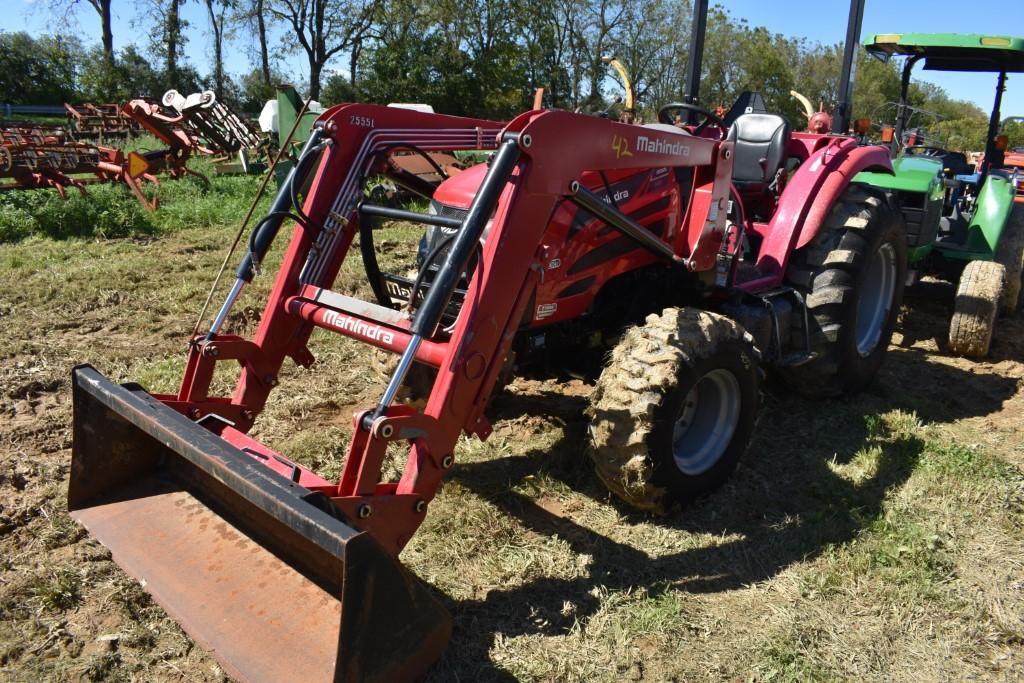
526 179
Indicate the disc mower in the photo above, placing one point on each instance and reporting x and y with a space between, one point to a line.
962 222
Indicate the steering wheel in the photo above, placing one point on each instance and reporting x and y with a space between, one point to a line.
709 116
926 151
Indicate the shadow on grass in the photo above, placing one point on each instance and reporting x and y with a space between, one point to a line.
784 505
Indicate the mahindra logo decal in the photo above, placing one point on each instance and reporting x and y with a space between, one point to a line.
341 321
659 146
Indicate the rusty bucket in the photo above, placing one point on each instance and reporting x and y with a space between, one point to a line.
253 566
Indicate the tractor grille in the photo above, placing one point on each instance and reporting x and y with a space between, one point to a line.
448 211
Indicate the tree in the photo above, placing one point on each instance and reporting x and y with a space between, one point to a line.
254 90
131 76
217 29
102 8
40 70
252 14
168 37
322 29
1014 130
172 38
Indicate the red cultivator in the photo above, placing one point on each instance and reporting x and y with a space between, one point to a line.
181 142
33 157
101 122
576 227
202 125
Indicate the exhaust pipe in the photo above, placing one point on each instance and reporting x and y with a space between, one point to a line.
256 568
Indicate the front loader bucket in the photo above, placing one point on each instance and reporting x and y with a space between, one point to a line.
244 559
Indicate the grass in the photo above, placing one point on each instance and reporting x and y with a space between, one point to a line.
60 592
877 537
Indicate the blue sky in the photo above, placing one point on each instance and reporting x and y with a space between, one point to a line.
818 20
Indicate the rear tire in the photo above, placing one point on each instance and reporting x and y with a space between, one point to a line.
1011 255
852 276
674 409
978 296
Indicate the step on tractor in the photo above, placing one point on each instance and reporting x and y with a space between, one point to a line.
962 222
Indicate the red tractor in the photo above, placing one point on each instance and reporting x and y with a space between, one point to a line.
700 256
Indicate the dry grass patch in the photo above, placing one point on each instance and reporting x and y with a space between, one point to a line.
878 537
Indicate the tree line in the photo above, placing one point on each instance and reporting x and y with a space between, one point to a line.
466 57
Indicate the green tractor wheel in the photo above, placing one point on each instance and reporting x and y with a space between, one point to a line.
974 311
1011 255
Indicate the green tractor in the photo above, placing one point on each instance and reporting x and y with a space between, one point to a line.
962 223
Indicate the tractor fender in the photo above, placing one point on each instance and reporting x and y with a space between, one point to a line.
995 200
833 176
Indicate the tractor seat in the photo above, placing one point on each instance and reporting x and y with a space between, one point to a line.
760 141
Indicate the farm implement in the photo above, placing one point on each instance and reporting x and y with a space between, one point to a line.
715 260
962 222
34 157
224 133
181 141
100 122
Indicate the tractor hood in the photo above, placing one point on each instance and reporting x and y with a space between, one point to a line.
458 190
910 174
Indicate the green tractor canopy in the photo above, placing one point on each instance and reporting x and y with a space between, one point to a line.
952 51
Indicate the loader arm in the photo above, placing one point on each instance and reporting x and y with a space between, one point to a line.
468 361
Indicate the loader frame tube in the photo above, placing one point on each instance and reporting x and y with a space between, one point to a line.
269 228
429 313
621 222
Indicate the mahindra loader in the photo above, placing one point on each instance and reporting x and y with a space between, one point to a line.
698 256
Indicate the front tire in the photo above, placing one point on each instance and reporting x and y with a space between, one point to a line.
852 276
674 409
978 295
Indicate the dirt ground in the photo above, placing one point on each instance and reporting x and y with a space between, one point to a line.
876 538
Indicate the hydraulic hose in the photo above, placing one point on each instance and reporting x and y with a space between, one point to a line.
267 230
